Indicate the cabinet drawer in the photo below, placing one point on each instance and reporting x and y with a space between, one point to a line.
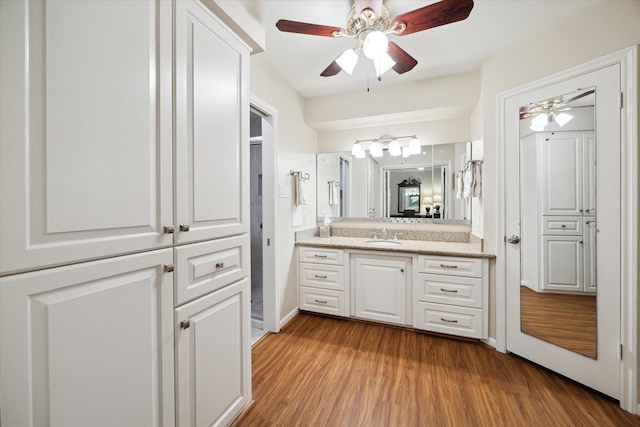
323 301
205 267
321 255
566 225
454 266
438 288
447 319
322 276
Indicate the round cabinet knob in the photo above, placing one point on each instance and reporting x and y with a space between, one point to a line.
513 239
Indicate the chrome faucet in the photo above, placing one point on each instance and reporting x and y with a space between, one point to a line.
384 233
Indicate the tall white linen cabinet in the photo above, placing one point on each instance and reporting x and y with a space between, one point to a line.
124 264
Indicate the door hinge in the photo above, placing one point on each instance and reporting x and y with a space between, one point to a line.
621 100
619 351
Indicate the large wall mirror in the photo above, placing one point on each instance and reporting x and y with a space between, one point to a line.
558 221
418 186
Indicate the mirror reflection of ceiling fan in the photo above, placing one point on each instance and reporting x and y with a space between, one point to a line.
554 109
369 23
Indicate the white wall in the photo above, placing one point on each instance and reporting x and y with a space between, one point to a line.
296 146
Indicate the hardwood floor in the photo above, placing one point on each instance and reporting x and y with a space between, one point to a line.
321 371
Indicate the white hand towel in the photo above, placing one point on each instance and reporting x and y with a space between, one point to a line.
334 193
467 181
476 191
300 197
459 184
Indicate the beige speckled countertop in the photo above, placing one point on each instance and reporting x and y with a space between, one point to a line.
413 246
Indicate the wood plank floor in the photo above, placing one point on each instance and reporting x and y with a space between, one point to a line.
321 371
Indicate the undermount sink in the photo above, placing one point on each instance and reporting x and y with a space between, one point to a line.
388 243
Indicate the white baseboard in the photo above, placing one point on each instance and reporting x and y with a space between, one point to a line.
490 341
286 319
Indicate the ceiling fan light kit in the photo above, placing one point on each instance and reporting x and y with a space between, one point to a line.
369 22
553 110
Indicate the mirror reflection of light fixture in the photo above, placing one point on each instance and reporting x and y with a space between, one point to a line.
437 199
427 201
547 115
390 143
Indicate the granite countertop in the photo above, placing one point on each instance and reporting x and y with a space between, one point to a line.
423 247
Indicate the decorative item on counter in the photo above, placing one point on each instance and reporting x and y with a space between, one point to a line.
325 230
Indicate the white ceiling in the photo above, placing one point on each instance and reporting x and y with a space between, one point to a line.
459 47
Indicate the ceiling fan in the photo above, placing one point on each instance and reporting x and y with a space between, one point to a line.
369 23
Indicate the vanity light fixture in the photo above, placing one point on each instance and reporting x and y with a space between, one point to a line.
389 143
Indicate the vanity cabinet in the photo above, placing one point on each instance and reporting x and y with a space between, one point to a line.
381 286
321 278
451 296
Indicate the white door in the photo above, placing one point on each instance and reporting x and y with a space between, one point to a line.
85 141
602 372
212 127
213 352
89 344
381 289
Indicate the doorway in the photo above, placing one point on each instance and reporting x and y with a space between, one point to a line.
582 237
262 222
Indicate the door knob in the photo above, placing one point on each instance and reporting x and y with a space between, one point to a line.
513 239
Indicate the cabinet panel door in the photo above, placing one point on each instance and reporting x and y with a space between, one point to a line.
562 172
214 357
590 254
381 289
85 141
89 344
212 139
562 263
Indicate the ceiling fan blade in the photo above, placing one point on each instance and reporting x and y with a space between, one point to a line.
434 15
331 70
404 61
575 98
304 28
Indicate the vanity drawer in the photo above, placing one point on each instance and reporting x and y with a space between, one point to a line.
454 266
204 267
322 276
461 291
562 225
323 301
321 255
453 320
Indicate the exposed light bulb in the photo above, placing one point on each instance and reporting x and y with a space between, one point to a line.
414 146
376 149
394 148
406 152
375 44
348 60
562 119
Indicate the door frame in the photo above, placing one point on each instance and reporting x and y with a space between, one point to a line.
628 60
270 308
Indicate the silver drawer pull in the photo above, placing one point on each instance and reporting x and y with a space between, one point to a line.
448 321
319 301
451 291
319 256
563 226
448 266
320 277
219 264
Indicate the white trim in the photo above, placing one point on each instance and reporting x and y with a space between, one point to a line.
627 58
490 342
271 306
286 319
